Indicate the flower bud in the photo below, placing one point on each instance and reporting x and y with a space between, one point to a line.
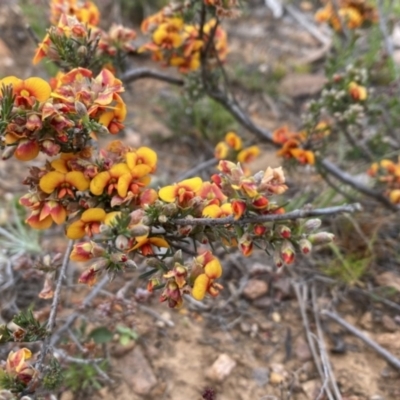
163 219
82 51
121 242
305 246
321 238
8 152
169 209
312 224
287 252
284 231
277 258
80 109
139 230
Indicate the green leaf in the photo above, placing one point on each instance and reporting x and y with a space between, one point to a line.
101 335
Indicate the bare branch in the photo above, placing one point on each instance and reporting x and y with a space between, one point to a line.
303 213
390 358
350 180
309 335
140 73
198 168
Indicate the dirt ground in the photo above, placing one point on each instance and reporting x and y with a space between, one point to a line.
249 343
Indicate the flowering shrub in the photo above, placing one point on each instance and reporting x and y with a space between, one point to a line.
105 197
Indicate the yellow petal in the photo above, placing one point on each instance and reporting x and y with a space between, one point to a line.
247 155
233 140
167 193
93 215
51 181
76 230
131 159
200 287
60 165
159 242
78 180
194 183
38 88
99 182
147 156
123 184
213 269
212 211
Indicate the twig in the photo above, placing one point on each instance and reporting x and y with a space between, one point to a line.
303 213
198 168
307 25
321 340
353 182
309 334
53 314
62 354
389 357
140 73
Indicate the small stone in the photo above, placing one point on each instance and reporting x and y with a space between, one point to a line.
275 378
254 289
276 317
389 324
221 369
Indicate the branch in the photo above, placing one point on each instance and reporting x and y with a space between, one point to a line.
303 213
198 168
390 358
263 134
240 115
350 180
53 314
140 73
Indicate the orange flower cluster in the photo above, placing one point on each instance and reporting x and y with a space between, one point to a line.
177 44
388 172
18 368
232 149
353 13
84 10
38 118
293 145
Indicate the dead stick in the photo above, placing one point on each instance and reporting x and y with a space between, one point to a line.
389 357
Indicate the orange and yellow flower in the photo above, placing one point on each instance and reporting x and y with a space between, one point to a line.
28 91
145 245
87 225
64 183
182 192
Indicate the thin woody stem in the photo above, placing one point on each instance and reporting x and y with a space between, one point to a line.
53 314
293 215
